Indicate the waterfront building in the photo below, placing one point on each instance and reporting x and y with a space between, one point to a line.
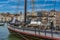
58 19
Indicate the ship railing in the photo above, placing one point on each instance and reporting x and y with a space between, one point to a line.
50 33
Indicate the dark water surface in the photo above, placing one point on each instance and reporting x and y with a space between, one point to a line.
5 35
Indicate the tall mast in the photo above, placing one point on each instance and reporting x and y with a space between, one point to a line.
55 14
32 5
25 11
17 6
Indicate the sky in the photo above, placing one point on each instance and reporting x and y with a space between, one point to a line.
14 6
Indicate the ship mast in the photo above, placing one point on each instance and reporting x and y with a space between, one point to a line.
32 5
55 14
25 11
17 7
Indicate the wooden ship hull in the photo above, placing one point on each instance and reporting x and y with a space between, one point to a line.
38 34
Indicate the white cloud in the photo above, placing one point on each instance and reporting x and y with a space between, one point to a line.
1 5
16 0
41 5
52 0
45 0
13 0
14 6
44 4
4 1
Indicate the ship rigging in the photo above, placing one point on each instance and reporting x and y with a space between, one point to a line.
41 25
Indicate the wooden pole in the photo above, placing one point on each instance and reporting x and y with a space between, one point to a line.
25 11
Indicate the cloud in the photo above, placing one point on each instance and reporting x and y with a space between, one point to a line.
52 0
13 0
44 5
6 1
40 5
16 0
44 0
15 7
11 5
2 5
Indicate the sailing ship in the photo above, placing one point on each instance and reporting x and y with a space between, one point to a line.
34 27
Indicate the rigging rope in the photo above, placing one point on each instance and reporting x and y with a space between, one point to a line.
17 7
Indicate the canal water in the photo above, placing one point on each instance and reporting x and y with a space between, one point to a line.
5 35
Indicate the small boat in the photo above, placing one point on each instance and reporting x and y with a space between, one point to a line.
1 24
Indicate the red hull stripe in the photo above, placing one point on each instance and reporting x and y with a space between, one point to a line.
45 37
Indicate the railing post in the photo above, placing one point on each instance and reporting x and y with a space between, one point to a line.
45 32
25 11
39 30
35 30
52 28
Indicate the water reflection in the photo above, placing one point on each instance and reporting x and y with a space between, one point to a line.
13 37
5 35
